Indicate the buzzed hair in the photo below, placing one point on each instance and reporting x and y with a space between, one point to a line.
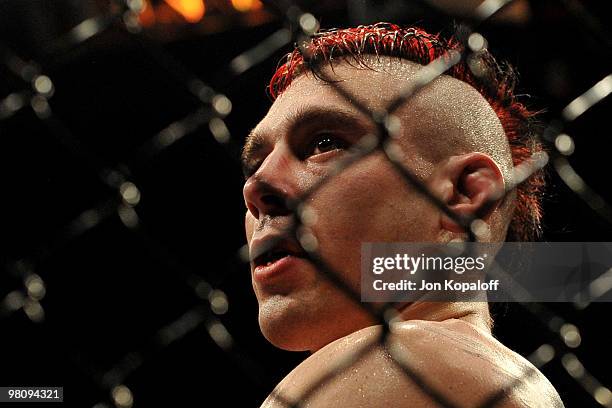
495 82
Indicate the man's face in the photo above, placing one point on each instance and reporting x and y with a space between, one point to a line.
304 135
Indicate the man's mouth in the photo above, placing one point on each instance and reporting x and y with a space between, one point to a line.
272 256
272 249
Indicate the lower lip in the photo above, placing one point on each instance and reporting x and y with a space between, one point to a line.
278 267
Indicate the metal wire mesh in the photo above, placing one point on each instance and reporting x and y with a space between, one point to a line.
122 195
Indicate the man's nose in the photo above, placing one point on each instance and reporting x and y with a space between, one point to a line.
268 191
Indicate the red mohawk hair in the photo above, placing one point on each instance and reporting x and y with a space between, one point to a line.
495 83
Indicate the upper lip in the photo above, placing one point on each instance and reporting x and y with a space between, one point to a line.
266 246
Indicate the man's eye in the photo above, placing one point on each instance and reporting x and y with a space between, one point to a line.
327 143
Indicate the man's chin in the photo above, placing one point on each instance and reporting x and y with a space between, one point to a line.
298 324
287 324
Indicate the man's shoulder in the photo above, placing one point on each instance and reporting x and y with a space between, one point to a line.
419 361
470 364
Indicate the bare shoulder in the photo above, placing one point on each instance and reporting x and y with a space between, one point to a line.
450 359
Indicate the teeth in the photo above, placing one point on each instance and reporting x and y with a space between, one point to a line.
274 256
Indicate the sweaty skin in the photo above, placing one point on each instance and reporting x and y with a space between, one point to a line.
463 363
451 138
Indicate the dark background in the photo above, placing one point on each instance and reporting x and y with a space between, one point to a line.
109 290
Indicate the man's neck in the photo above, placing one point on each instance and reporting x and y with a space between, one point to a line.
475 313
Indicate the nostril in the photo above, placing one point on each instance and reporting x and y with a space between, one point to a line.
273 201
252 209
262 198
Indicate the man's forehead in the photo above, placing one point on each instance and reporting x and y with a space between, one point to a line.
308 92
373 88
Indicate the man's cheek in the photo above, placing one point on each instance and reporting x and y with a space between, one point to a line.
343 220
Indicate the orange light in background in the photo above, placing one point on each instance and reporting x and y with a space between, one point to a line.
246 5
191 10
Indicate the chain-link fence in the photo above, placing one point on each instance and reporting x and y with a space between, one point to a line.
121 297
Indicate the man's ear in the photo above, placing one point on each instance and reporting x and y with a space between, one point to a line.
470 184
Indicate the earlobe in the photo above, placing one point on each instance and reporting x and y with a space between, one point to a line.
471 185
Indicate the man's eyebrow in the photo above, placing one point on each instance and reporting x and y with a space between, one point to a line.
337 117
253 144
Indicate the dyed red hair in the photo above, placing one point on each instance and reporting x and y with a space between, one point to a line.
495 82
